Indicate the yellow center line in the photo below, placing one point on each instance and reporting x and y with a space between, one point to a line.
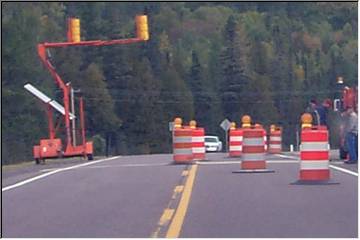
177 221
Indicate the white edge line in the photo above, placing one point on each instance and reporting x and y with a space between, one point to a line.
53 172
235 162
332 166
133 165
119 165
286 156
49 169
344 170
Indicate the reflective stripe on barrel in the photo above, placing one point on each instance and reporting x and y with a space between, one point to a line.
198 144
314 155
235 142
265 141
253 149
182 145
275 141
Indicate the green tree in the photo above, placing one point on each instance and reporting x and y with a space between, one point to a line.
99 106
201 94
234 70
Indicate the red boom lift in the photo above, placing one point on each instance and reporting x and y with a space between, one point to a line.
52 147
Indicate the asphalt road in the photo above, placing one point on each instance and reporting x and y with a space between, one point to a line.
123 197
139 196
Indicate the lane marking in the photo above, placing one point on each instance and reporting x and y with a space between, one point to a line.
166 216
178 220
344 170
217 162
185 173
132 165
156 233
332 166
22 183
49 169
178 189
171 205
120 165
237 162
286 156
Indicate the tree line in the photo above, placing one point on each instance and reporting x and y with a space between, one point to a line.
204 61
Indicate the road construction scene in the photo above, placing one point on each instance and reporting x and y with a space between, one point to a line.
179 120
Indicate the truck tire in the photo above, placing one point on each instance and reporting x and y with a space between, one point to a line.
90 157
37 161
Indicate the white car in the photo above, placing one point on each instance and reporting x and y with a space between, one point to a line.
213 144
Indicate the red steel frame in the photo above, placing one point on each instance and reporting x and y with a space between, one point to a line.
71 150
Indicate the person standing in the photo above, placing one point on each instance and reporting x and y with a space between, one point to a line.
323 111
313 110
351 134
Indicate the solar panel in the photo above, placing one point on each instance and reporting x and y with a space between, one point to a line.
37 93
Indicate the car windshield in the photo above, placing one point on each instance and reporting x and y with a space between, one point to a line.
210 139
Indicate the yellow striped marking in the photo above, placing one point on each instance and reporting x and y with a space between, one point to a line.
177 190
167 215
156 233
177 221
185 173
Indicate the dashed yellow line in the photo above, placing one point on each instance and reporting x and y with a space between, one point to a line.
164 219
167 215
177 221
178 189
185 173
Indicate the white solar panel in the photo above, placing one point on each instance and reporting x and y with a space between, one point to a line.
37 93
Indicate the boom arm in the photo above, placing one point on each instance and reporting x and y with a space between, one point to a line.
142 35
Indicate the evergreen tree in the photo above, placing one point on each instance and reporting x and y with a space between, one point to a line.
234 65
201 93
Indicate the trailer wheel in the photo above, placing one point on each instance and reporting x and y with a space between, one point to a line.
90 157
37 161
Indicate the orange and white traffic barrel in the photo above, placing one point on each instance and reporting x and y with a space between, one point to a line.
275 140
198 141
235 142
253 149
182 142
314 155
259 126
182 145
265 141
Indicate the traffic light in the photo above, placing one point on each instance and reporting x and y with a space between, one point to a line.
142 29
73 30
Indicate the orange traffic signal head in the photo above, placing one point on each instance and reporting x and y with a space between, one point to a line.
142 29
73 33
